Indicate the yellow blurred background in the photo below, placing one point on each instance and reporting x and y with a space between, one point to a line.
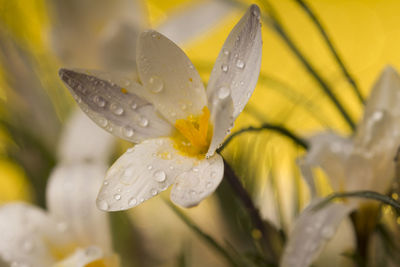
365 33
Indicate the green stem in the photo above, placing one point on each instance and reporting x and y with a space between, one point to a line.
269 234
220 249
331 47
266 126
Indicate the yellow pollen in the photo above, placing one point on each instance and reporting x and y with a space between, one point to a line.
193 135
97 263
124 91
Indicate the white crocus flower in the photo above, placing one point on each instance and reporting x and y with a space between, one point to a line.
363 162
73 233
177 124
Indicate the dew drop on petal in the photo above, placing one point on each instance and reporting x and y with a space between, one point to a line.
128 172
143 122
149 167
160 176
116 109
103 205
154 192
240 64
128 131
156 85
117 196
103 122
226 52
132 201
100 102
223 92
133 105
224 67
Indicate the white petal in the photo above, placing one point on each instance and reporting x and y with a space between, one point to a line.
194 20
330 152
108 103
238 65
385 94
141 173
81 257
82 140
169 78
193 186
311 231
26 234
222 121
71 199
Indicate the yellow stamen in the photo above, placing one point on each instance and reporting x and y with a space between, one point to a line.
194 134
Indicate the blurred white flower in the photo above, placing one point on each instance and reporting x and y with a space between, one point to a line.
72 233
363 162
177 123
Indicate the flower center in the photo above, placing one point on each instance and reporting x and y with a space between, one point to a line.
193 135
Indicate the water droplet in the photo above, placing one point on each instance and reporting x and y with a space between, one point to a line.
128 131
129 171
223 92
130 150
127 83
226 52
377 115
160 176
103 122
192 193
156 85
256 13
117 196
154 192
224 67
133 105
103 205
101 102
240 64
116 109
143 122
132 202
149 167
248 95
195 169
153 35
105 183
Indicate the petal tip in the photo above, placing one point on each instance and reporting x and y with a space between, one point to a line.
390 69
255 11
